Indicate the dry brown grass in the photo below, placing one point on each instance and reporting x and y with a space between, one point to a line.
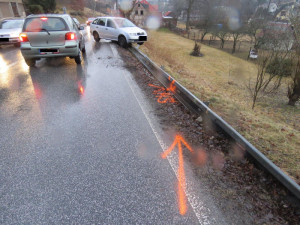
218 77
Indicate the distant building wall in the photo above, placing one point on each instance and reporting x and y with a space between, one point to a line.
139 14
11 8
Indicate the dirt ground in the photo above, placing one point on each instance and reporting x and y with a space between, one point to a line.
244 193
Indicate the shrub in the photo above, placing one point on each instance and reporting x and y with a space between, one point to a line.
35 9
73 13
196 50
76 13
280 67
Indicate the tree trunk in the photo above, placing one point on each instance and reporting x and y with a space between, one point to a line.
188 14
234 46
222 43
293 99
294 89
202 36
254 100
294 92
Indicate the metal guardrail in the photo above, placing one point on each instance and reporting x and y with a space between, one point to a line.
199 108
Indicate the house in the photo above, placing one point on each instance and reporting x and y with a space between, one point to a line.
11 8
169 14
169 19
142 10
285 13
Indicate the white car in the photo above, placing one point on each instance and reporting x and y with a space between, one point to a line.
117 29
10 30
253 54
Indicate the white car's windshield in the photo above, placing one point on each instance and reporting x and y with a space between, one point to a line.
123 23
11 24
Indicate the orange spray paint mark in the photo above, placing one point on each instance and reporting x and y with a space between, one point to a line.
80 88
182 202
164 95
172 87
37 91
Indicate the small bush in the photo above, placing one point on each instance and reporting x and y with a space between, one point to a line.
73 13
280 67
77 13
80 13
35 9
196 50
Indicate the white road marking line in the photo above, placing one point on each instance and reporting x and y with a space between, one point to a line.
201 211
4 67
12 64
114 51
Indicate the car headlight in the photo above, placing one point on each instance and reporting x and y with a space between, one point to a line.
15 35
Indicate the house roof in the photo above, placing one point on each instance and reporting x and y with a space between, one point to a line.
167 13
146 4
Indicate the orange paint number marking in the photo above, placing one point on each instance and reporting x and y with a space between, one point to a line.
164 95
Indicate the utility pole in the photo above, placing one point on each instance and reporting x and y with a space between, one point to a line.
94 9
269 5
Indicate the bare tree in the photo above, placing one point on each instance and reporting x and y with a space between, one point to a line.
206 8
126 8
271 65
294 86
188 13
222 33
255 29
236 36
261 77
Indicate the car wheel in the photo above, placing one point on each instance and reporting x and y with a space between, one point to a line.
78 58
123 42
83 49
96 37
140 43
30 62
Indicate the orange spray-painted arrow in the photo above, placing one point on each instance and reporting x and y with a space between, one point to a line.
181 176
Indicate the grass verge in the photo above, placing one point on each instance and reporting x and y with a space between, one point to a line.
221 78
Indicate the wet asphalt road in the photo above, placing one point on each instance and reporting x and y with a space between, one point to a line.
75 147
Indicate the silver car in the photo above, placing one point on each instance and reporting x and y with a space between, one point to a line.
117 29
10 30
51 35
76 21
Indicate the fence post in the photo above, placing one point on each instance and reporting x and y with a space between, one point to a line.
249 54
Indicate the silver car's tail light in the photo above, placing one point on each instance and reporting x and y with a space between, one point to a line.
70 36
23 37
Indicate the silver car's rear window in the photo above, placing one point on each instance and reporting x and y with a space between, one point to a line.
38 24
11 24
